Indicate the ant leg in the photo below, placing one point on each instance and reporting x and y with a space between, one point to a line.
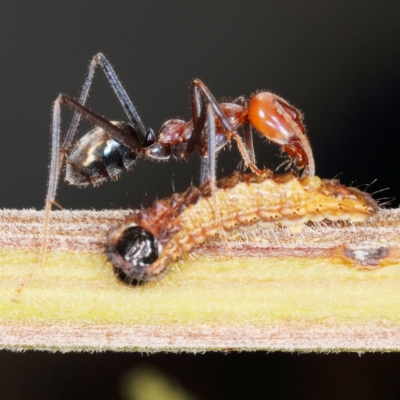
199 114
243 151
211 175
55 167
248 137
199 122
203 170
120 92
198 131
119 135
248 142
204 124
57 158
199 117
225 122
211 156
196 102
207 164
248 134
301 136
200 86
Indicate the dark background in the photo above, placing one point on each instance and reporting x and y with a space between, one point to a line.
338 61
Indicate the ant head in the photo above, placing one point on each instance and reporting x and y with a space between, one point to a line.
132 250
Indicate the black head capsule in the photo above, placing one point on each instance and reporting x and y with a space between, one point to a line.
132 253
97 157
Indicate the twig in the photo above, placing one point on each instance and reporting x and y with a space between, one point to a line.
281 290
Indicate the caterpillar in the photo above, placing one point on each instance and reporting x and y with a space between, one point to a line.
142 248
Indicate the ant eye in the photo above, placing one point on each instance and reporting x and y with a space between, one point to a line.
138 247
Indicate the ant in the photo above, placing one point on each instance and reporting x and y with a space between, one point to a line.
109 148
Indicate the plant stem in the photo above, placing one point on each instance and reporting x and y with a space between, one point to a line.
331 287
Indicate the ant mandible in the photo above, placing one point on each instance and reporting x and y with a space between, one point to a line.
111 147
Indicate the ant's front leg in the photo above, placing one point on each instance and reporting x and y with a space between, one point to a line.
199 88
248 134
202 135
299 147
199 125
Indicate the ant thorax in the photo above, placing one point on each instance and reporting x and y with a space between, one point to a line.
142 248
175 134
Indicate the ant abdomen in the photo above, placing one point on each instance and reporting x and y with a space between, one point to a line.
282 123
97 157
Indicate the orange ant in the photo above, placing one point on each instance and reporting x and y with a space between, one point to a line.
111 147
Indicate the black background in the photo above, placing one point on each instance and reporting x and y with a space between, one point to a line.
338 61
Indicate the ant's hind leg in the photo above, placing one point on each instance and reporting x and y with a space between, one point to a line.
57 158
55 167
120 92
130 141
